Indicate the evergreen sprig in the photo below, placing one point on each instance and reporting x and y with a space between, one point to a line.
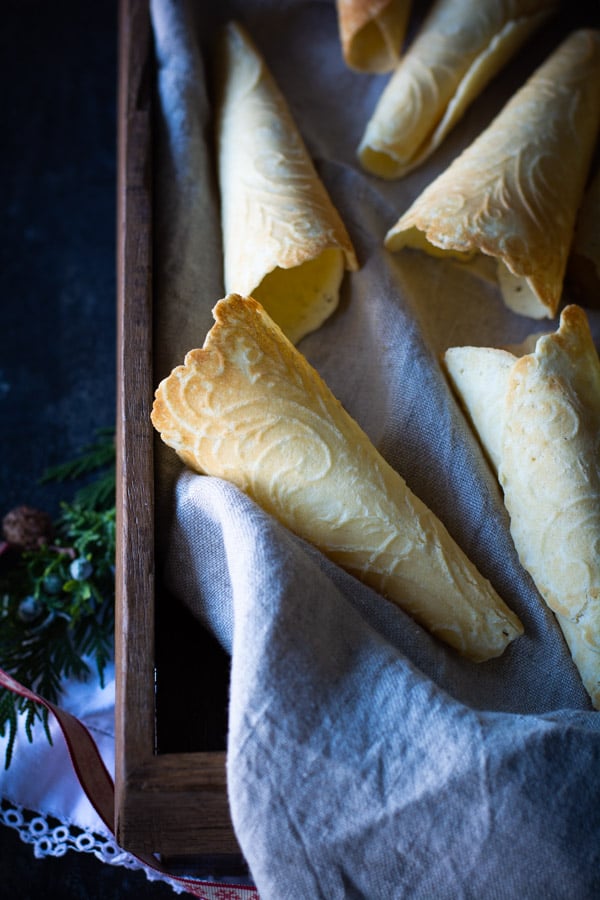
57 600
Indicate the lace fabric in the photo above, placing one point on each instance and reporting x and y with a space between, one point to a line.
51 837
54 815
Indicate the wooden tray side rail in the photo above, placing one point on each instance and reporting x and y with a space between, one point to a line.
172 805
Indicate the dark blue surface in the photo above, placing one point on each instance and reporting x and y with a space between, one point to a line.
58 147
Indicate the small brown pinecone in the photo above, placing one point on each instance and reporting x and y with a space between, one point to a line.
27 528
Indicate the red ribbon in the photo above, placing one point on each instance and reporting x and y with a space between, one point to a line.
100 791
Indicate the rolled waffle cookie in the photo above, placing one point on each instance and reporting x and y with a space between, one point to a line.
460 46
513 194
538 419
249 408
283 240
372 32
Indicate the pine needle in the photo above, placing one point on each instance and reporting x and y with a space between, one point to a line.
57 603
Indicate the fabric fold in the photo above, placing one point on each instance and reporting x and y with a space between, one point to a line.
364 758
351 772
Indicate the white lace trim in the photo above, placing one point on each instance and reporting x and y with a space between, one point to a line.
50 837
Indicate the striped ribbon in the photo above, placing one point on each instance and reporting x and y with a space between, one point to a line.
99 788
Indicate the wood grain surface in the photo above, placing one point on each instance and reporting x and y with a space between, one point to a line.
172 804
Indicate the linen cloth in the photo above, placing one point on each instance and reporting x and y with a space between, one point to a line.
365 759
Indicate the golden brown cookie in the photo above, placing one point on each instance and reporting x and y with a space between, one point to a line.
249 408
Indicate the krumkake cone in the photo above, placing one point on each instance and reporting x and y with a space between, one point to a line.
459 48
538 419
283 241
249 408
372 32
513 194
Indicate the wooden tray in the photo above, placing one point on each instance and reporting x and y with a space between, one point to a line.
171 792
169 803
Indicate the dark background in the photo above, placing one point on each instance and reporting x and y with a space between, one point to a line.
58 146
58 69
